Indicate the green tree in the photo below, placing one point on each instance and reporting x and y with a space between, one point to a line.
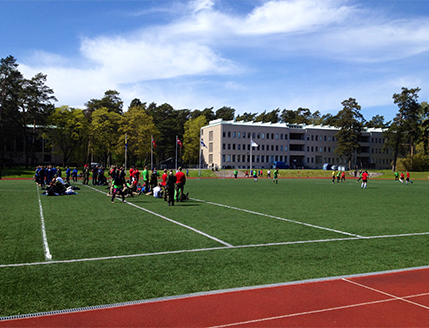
69 131
111 101
191 139
226 113
10 119
406 128
104 132
271 117
139 127
246 117
36 105
350 121
377 121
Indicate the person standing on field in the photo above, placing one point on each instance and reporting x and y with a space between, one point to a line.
145 175
180 185
235 174
276 176
170 184
364 179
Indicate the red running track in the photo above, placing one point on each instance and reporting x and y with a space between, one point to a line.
394 299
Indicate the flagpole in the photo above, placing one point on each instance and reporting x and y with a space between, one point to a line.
151 151
126 148
176 151
199 165
251 148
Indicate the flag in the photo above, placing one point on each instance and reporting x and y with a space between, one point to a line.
126 144
253 144
179 143
203 144
153 142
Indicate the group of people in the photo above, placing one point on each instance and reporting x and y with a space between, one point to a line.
171 187
338 176
50 180
401 177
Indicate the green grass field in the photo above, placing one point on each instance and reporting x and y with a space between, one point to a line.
231 233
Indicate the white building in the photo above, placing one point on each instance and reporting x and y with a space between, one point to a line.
297 145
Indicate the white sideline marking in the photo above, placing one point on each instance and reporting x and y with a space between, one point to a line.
204 250
390 295
170 220
48 255
279 218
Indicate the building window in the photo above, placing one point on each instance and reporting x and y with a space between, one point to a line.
281 148
211 147
239 135
229 146
224 146
210 158
281 136
234 134
244 134
223 158
285 148
253 135
258 136
263 135
312 138
277 136
229 158
233 158
272 136
238 147
210 135
238 158
268 136
229 134
233 148
277 148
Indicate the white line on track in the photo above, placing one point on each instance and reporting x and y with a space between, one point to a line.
389 295
48 255
279 218
173 221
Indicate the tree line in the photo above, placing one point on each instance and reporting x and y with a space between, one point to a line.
97 132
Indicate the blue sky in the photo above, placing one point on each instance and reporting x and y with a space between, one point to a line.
252 55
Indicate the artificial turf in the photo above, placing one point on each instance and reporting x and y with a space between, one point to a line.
294 230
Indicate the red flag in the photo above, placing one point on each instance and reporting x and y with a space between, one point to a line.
153 142
179 142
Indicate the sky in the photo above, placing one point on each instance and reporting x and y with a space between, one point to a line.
251 55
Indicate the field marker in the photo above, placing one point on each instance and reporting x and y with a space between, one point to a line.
48 255
279 218
173 221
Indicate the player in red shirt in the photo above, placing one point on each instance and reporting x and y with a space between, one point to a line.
365 176
163 184
402 177
408 178
180 184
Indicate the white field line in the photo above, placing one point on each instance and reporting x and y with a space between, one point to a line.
203 250
314 312
48 255
279 218
173 221
387 294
